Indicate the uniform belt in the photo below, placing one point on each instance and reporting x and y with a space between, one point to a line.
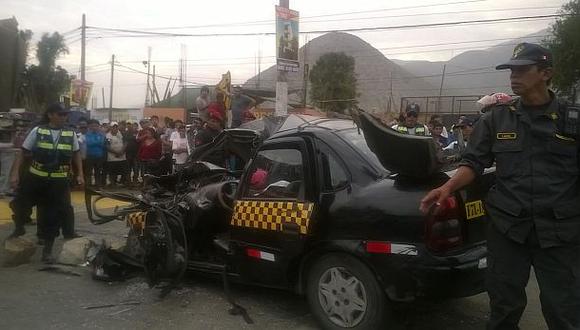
48 174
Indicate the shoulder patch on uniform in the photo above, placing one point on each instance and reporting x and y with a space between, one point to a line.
506 135
554 116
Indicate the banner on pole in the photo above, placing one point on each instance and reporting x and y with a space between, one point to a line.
80 92
287 37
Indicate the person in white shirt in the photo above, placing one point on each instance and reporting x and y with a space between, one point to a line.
116 158
179 146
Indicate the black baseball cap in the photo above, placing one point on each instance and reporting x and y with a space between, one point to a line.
464 122
56 108
527 54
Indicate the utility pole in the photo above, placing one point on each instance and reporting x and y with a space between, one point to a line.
83 45
306 72
259 61
111 93
103 94
147 95
282 81
441 87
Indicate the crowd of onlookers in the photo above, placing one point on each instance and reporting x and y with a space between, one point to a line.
122 152
446 139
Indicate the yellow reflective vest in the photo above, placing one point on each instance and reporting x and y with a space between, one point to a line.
52 158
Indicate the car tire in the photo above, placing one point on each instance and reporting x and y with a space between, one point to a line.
343 293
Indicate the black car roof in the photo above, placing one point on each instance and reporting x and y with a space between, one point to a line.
297 123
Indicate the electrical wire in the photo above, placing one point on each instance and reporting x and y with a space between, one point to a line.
304 19
136 33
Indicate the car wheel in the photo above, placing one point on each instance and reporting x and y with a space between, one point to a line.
343 293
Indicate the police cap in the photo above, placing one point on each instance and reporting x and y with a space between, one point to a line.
528 54
56 107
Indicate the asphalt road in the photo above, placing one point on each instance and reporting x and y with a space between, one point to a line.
31 299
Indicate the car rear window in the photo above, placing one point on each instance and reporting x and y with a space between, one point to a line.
357 139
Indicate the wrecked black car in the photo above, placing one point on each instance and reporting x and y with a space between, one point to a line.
323 207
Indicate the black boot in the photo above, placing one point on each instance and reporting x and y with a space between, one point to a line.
47 257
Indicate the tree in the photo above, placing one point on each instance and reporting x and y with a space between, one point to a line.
333 82
564 43
46 81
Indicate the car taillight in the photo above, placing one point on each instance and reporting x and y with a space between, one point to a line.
444 230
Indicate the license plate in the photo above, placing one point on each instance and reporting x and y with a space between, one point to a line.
474 209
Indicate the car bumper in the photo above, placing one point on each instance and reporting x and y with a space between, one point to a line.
454 276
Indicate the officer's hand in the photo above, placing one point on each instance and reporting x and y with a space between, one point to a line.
434 198
80 180
14 181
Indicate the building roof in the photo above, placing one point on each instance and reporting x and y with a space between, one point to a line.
176 101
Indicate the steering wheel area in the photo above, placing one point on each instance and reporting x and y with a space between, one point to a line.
227 194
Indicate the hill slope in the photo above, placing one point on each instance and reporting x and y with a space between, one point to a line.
378 78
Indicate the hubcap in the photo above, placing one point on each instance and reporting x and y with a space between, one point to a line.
342 296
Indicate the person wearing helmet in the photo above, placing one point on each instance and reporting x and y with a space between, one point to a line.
410 124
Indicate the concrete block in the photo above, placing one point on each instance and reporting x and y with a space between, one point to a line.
17 251
74 251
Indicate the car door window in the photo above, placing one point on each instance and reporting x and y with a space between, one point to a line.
276 174
338 177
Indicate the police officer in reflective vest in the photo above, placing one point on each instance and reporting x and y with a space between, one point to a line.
52 149
534 206
410 125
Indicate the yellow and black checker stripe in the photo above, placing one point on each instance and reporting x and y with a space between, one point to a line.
136 221
272 215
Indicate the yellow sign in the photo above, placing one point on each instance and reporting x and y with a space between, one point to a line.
80 92
474 209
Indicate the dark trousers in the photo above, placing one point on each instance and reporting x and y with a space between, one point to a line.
133 167
52 200
95 169
557 270
115 169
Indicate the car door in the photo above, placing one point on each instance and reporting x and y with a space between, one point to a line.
272 216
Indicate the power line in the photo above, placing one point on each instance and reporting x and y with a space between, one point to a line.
304 18
137 33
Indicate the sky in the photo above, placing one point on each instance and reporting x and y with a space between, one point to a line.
207 57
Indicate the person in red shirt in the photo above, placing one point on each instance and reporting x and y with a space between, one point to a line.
219 107
149 150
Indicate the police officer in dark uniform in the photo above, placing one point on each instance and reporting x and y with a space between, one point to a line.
534 206
52 149
410 125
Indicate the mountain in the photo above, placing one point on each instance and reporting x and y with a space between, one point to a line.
380 83
472 72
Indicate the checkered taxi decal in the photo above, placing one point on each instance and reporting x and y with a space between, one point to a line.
272 215
136 221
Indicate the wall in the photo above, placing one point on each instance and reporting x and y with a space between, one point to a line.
118 115
173 113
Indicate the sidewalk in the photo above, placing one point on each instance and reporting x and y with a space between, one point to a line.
77 199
